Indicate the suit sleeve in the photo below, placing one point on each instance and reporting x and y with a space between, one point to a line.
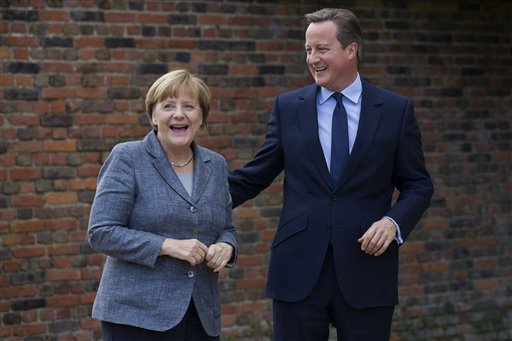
247 182
411 177
111 210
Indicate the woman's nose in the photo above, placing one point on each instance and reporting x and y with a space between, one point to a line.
178 112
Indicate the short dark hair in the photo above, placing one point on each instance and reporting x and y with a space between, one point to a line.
348 28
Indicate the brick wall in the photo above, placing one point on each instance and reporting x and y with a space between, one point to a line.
73 78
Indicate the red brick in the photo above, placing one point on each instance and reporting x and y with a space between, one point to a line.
57 93
152 19
53 15
29 252
59 198
23 41
59 146
59 301
63 274
85 42
120 17
26 200
24 173
27 329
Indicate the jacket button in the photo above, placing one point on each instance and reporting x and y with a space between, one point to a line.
333 198
190 274
193 209
327 226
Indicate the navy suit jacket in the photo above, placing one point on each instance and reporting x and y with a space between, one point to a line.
139 202
387 155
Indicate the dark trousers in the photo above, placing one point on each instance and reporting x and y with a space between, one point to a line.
189 329
309 319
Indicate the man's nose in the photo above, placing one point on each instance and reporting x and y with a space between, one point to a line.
312 57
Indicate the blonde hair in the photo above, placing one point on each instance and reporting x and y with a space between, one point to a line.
172 84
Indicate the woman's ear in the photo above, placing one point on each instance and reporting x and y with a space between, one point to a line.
154 118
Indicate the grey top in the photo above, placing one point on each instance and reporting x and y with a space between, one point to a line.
186 180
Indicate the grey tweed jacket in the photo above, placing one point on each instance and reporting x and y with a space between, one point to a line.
139 202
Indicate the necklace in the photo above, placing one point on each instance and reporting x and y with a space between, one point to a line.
179 165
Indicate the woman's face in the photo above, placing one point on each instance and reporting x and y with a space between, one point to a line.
177 120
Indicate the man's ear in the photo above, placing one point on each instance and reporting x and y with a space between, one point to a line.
352 49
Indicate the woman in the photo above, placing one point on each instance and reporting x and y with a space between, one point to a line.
162 215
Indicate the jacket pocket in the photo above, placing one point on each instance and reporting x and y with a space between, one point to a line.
290 229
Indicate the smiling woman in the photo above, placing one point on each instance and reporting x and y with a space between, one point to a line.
178 104
153 217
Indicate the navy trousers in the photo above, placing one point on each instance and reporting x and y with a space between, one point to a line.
309 319
189 329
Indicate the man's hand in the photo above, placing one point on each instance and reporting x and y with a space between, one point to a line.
218 255
190 250
376 240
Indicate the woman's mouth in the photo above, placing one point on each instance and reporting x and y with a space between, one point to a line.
179 128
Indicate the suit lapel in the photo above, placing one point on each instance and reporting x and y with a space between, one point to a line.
369 119
308 121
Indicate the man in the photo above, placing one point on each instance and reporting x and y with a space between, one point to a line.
334 258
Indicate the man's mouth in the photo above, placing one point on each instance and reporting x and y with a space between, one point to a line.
320 69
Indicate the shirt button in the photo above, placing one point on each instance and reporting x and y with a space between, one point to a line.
190 274
193 209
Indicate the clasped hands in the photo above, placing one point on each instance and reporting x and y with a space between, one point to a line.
195 252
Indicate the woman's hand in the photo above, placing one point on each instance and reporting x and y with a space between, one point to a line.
190 250
218 255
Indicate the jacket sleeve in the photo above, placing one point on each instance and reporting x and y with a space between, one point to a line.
108 230
411 177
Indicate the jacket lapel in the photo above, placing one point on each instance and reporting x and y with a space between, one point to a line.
369 119
307 114
161 164
202 172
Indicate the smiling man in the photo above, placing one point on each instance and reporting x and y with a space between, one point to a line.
344 146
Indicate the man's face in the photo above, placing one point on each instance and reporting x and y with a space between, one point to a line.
332 66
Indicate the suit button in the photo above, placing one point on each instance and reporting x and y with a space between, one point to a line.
193 209
328 226
190 274
333 198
